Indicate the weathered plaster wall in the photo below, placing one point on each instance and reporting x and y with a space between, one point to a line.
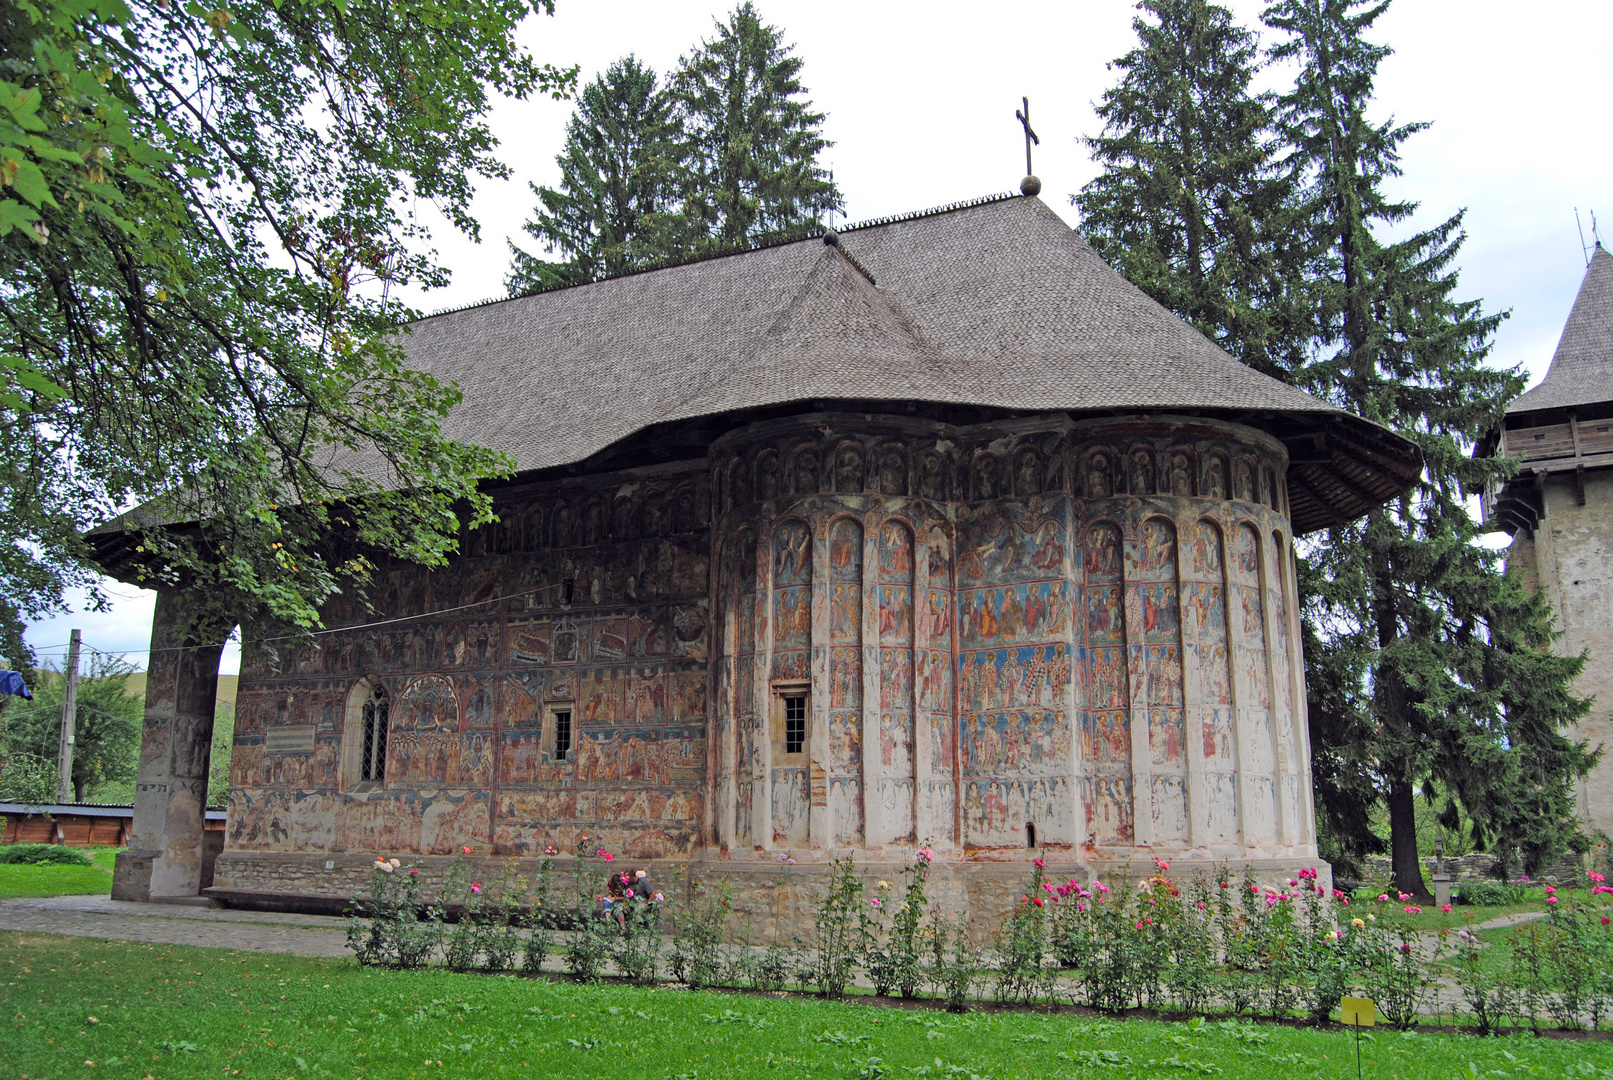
1080 633
465 763
1570 556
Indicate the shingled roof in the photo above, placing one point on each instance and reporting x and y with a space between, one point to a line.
996 304
1581 371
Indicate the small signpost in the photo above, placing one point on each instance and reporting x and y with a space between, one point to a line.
1358 1013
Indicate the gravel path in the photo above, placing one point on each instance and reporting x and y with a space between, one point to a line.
173 924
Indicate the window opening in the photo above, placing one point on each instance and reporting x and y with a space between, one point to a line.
562 733
1030 835
377 717
794 723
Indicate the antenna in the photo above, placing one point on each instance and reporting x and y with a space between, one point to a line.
1584 251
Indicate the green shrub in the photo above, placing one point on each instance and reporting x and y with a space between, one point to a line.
43 855
842 930
1491 894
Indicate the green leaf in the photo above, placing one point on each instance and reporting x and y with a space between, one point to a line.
14 215
30 184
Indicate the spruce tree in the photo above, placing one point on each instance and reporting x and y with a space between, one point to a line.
752 139
1190 206
614 208
1428 662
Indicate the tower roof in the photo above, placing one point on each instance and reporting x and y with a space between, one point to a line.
1581 371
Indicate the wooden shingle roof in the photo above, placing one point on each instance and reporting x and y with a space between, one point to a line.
1581 371
994 305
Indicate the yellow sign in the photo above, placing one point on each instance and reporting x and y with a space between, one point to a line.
1358 1012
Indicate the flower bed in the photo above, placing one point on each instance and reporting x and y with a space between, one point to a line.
1200 946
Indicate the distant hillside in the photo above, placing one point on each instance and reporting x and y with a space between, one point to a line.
227 685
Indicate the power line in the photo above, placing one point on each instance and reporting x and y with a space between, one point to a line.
335 630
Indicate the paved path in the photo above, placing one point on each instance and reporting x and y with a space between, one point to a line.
1517 918
174 924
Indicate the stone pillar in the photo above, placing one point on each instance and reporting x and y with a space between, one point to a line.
165 857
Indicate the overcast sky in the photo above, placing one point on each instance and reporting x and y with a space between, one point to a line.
921 97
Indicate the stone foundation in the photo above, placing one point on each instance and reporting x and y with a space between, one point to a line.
772 900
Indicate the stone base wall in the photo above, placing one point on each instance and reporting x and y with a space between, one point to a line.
772 900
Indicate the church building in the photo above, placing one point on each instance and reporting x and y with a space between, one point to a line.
1559 509
934 532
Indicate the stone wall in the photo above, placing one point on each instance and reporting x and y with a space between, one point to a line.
771 900
1477 866
1570 557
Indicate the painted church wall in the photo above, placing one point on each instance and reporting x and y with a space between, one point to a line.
470 690
1072 635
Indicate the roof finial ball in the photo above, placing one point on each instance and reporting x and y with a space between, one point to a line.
831 238
1031 185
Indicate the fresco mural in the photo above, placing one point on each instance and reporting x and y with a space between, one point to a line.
1294 794
1153 605
895 555
846 681
1106 726
1204 583
1252 680
1013 668
1038 655
466 765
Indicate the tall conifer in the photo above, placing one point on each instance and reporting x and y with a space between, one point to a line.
615 207
752 137
1190 205
1427 661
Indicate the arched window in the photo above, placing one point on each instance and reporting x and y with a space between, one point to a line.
375 718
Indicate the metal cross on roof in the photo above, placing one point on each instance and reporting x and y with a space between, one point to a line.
1024 119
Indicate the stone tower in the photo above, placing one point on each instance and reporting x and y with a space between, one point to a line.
1559 506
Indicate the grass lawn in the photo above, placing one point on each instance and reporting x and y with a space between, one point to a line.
18 881
167 1012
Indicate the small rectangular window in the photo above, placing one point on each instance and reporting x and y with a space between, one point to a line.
562 733
794 723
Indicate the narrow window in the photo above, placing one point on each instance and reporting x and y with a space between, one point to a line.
794 723
1030 835
562 733
377 715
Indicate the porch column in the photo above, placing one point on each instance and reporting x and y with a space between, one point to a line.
164 856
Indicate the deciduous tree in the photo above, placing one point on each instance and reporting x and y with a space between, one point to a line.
202 208
106 724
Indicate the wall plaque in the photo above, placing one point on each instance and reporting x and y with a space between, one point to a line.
295 739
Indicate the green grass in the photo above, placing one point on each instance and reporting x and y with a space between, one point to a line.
171 1012
17 881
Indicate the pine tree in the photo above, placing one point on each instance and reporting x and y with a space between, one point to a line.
1190 206
752 138
1429 663
615 208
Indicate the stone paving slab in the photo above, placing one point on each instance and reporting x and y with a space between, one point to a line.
174 924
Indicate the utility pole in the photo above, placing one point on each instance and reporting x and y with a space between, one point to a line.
64 759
